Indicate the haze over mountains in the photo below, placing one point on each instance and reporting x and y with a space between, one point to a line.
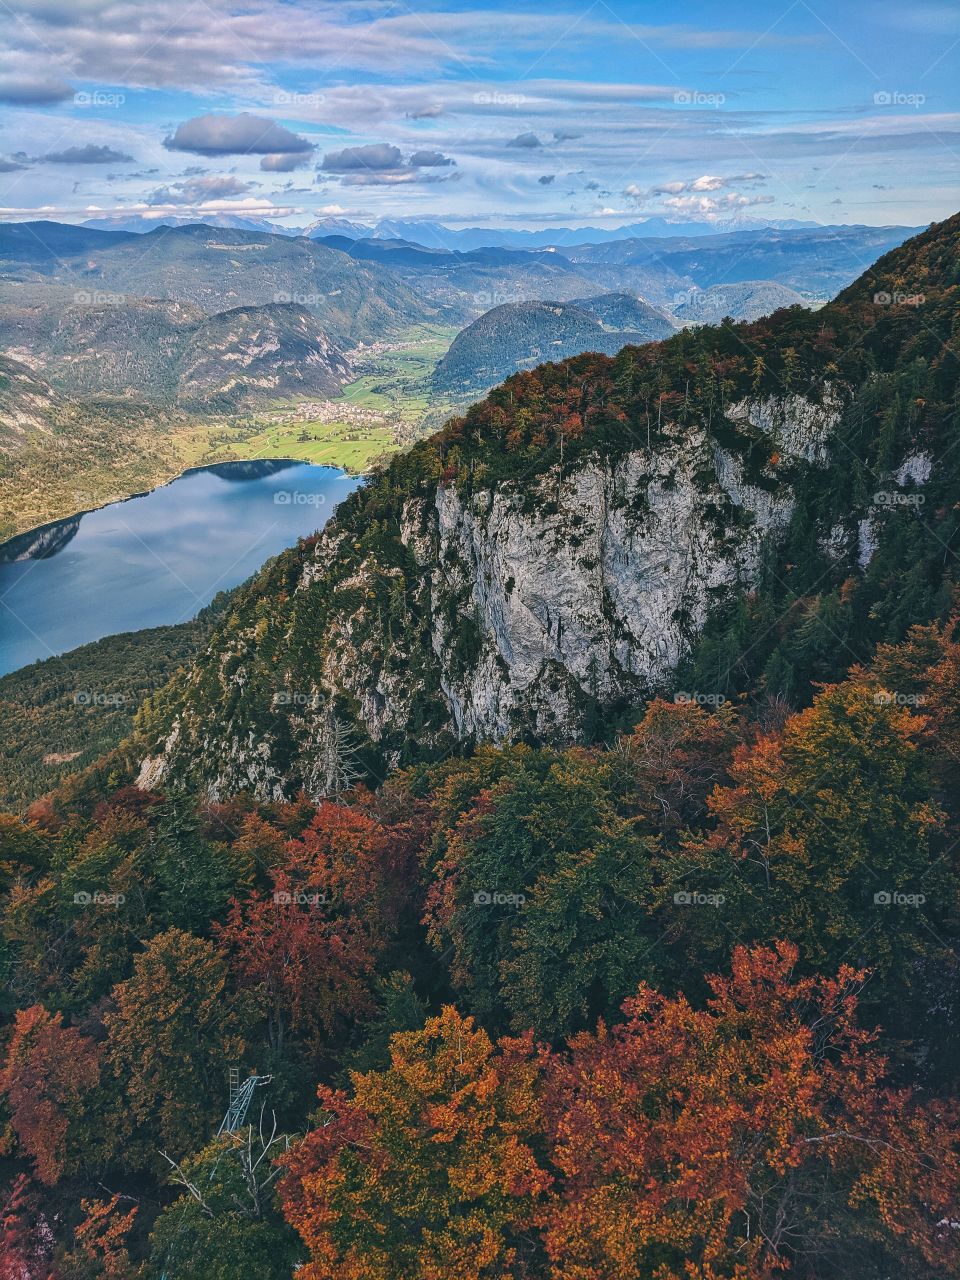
814 263
437 235
745 300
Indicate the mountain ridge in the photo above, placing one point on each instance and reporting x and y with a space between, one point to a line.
214 268
674 485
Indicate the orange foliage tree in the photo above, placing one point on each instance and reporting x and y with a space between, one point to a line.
48 1070
746 1139
752 1137
430 1170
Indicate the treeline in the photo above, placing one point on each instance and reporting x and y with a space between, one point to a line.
483 997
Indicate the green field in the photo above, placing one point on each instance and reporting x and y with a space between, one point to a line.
334 444
400 377
384 408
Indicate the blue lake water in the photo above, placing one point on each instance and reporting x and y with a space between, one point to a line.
157 558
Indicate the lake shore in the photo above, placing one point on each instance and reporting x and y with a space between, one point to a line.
29 505
157 558
113 448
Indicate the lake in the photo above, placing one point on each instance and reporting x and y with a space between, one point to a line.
157 558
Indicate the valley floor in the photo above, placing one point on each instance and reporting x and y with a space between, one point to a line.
112 451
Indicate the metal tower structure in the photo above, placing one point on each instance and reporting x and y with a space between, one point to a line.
241 1096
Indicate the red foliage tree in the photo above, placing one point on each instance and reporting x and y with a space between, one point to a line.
310 947
744 1140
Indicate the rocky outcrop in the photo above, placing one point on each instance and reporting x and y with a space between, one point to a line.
597 599
526 605
252 354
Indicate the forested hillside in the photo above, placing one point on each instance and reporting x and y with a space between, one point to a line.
565 840
497 969
519 335
213 268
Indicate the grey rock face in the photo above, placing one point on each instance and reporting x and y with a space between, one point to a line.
535 602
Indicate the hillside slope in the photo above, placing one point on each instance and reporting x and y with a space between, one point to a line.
214 268
168 352
599 529
28 404
519 335
253 353
747 300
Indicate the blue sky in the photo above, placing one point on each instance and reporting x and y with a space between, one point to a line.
528 114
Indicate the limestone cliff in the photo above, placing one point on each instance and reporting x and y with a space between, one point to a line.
522 607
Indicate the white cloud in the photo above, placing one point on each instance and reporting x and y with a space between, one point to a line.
381 164
709 206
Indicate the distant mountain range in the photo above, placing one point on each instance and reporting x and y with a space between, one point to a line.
781 267
432 234
140 223
214 268
115 312
435 235
466 272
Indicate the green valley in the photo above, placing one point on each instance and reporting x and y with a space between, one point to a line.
60 456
